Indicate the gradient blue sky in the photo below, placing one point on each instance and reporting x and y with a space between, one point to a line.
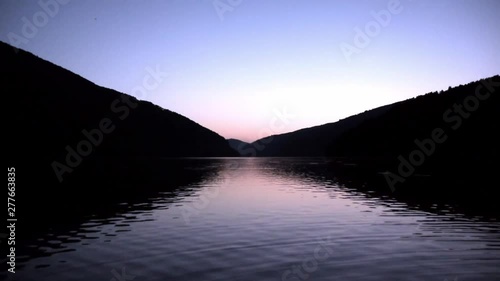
232 74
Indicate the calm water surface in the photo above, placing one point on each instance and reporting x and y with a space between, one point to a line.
269 219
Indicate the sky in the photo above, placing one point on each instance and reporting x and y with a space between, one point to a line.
247 69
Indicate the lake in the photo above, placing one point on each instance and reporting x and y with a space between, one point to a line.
267 219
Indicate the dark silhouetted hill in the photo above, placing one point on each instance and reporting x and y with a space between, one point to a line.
239 146
310 142
61 126
470 134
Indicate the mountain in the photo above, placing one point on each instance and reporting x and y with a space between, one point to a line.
451 135
67 137
239 146
343 138
310 142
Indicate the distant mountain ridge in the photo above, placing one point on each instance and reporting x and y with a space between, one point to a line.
310 142
239 146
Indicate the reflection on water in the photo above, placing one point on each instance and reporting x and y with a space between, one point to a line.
267 219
